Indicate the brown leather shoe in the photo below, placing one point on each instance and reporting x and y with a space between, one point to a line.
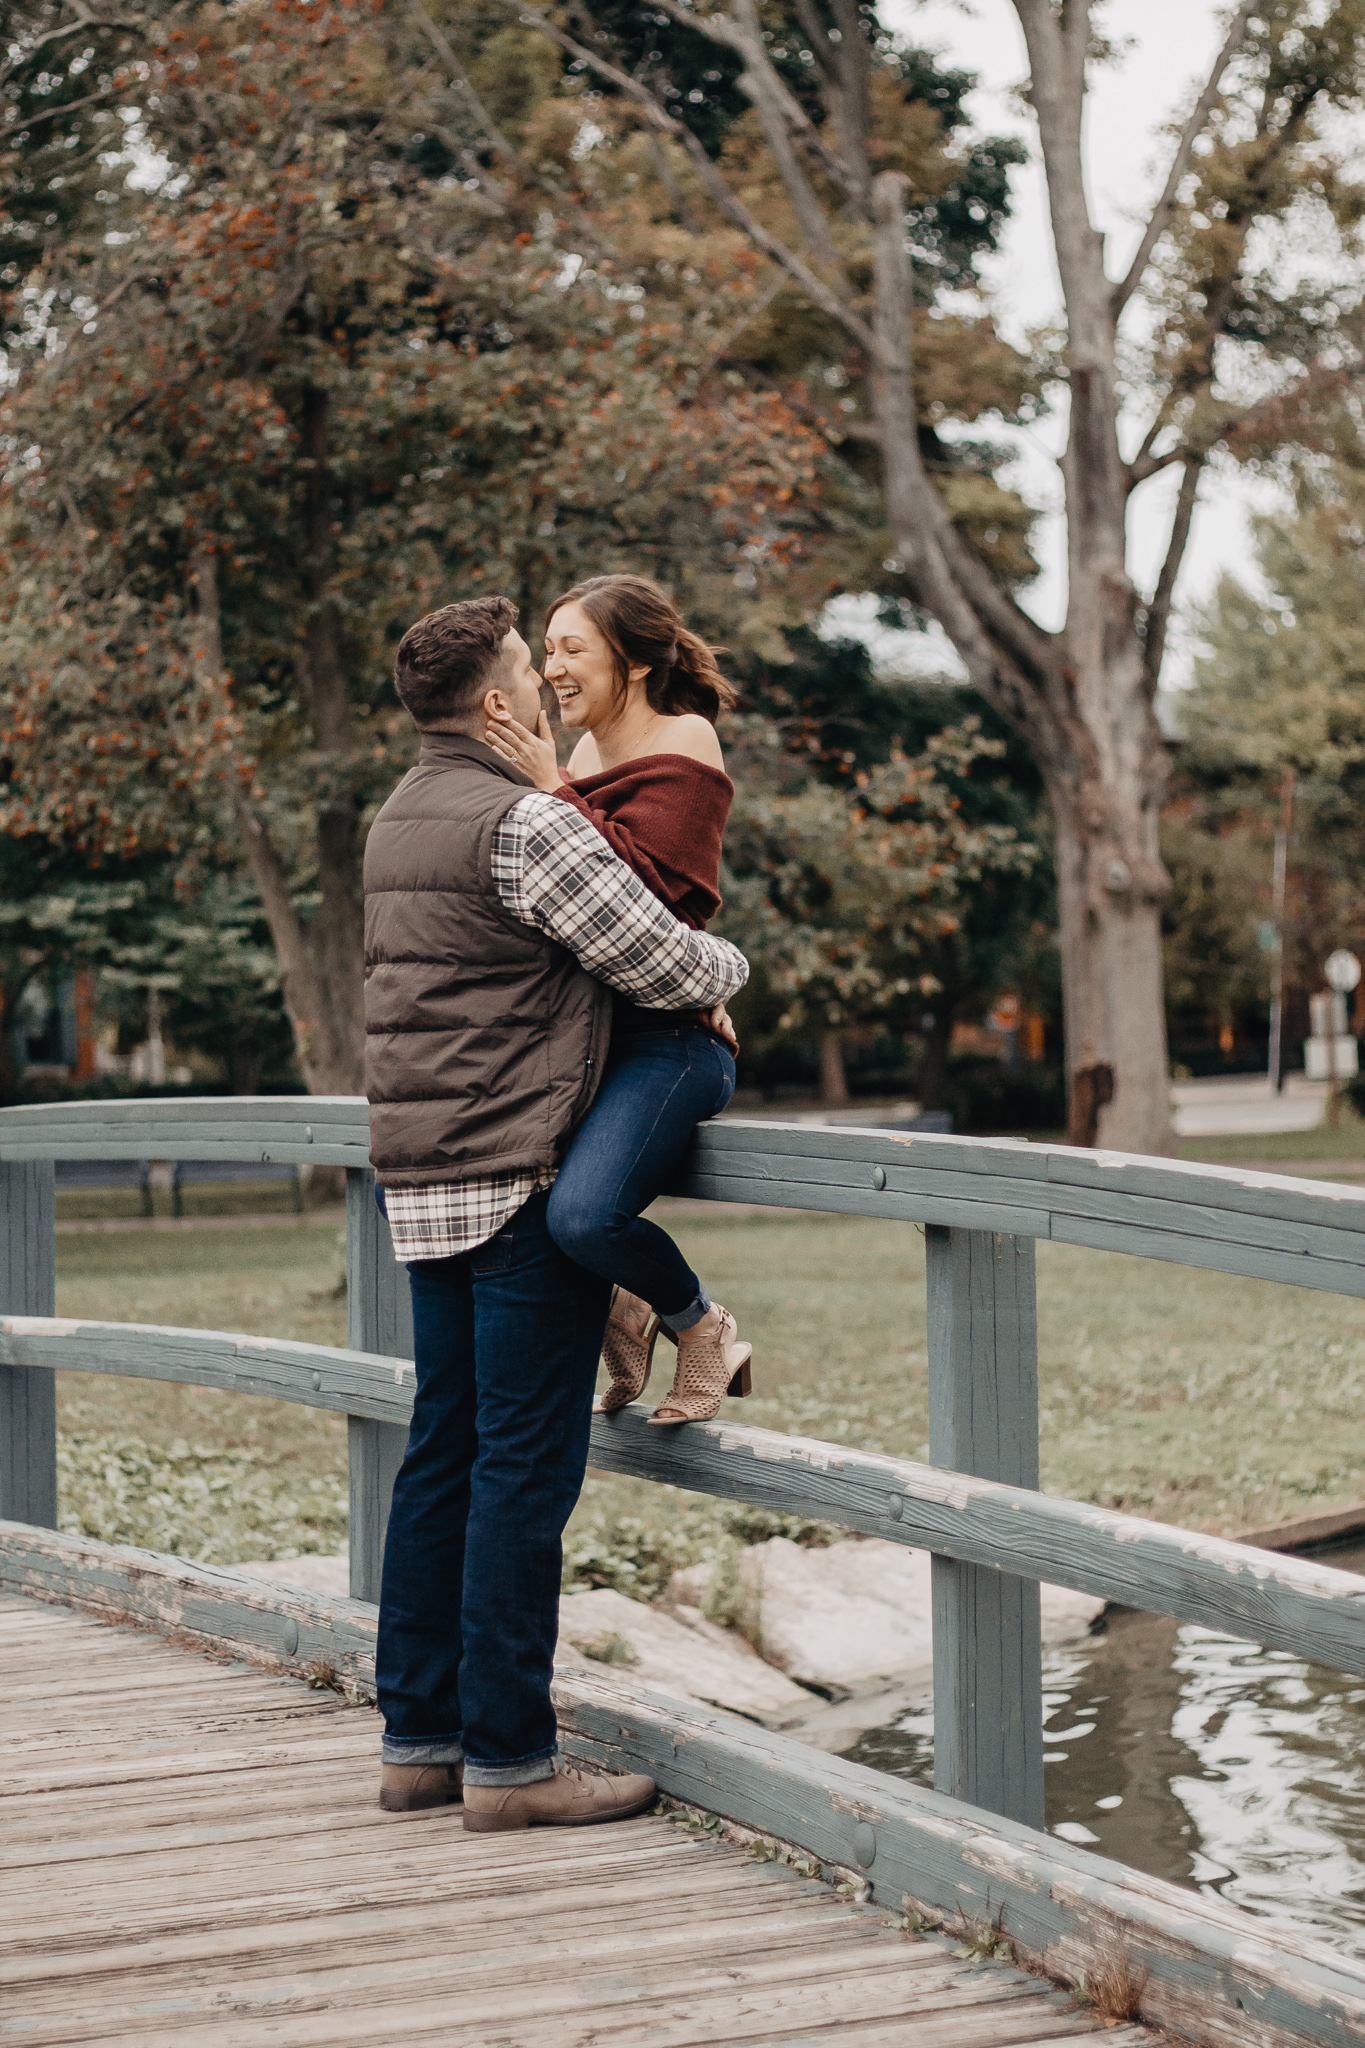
570 1799
410 1788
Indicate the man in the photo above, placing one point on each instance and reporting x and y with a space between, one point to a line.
496 923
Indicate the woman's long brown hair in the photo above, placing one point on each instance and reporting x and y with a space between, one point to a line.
642 625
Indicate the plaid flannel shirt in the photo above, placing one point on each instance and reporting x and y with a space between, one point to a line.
554 870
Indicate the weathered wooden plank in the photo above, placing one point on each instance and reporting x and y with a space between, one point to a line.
189 1109
282 1627
316 1375
28 1400
832 1193
1062 1904
983 1419
165 1142
1287 1603
378 1319
1249 1262
1215 1973
750 1161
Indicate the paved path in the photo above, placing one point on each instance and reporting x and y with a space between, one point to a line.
191 1857
1229 1106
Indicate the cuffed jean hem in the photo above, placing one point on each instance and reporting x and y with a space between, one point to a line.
686 1317
403 1749
529 1771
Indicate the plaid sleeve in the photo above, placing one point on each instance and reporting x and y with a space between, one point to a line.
554 871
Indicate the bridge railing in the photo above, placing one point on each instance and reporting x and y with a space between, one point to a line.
975 1506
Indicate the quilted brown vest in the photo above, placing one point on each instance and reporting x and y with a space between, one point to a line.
484 1039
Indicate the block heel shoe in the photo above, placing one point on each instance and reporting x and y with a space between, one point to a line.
627 1350
709 1368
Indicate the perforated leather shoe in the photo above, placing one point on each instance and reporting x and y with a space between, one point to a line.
572 1798
411 1788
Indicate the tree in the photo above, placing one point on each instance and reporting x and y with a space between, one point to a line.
845 898
1279 685
1226 357
267 413
834 717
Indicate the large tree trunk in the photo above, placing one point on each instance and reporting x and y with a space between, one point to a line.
1118 1081
1082 698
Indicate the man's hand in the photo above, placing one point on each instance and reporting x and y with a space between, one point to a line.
720 1020
532 752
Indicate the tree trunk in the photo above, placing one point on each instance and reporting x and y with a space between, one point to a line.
332 1060
833 1080
337 941
1082 698
933 1069
1118 1077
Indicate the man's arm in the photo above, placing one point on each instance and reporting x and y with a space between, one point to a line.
554 871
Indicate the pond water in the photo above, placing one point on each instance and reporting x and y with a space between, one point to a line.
1201 1759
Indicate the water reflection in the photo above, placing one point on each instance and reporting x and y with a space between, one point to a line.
1200 1759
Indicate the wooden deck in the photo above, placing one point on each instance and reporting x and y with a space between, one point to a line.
191 1853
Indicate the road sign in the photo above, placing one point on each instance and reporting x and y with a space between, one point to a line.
1342 971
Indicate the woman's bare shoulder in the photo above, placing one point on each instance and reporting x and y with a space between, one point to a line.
694 736
585 759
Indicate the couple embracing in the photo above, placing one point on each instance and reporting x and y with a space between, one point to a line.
546 1026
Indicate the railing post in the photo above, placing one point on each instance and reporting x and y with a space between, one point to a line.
983 1419
378 1318
28 1394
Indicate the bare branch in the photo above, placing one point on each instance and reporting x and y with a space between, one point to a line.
745 37
1005 653
819 293
1180 162
805 205
84 22
821 48
856 108
32 121
464 85
1159 611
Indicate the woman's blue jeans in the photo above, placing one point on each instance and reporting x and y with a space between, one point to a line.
507 1339
659 1085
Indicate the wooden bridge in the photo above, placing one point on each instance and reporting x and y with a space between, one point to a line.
190 1847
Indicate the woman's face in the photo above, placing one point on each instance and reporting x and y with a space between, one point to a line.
580 669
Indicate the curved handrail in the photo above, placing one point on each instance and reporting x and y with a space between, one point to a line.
314 1375
297 1130
1256 1225
1284 1602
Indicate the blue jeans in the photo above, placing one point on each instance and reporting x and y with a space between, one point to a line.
659 1085
507 1339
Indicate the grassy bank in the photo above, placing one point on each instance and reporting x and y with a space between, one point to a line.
1193 1397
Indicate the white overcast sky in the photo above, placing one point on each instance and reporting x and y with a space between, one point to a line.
1173 43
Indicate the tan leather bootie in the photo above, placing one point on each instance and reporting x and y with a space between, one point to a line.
570 1799
411 1788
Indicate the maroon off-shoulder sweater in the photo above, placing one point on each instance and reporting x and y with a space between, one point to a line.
664 814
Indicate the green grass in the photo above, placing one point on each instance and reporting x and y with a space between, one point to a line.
1193 1397
219 1477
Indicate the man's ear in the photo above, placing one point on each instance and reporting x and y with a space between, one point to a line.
495 705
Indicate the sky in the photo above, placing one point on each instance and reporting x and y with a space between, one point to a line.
1170 47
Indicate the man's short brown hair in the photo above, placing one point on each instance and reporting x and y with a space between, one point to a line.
448 660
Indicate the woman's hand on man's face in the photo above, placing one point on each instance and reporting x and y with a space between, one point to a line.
532 752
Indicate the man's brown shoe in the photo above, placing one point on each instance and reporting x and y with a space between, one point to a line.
410 1788
570 1799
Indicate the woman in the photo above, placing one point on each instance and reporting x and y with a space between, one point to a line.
645 693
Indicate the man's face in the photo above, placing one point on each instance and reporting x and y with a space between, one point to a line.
516 693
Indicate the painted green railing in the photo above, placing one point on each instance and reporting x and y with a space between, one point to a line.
975 1506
